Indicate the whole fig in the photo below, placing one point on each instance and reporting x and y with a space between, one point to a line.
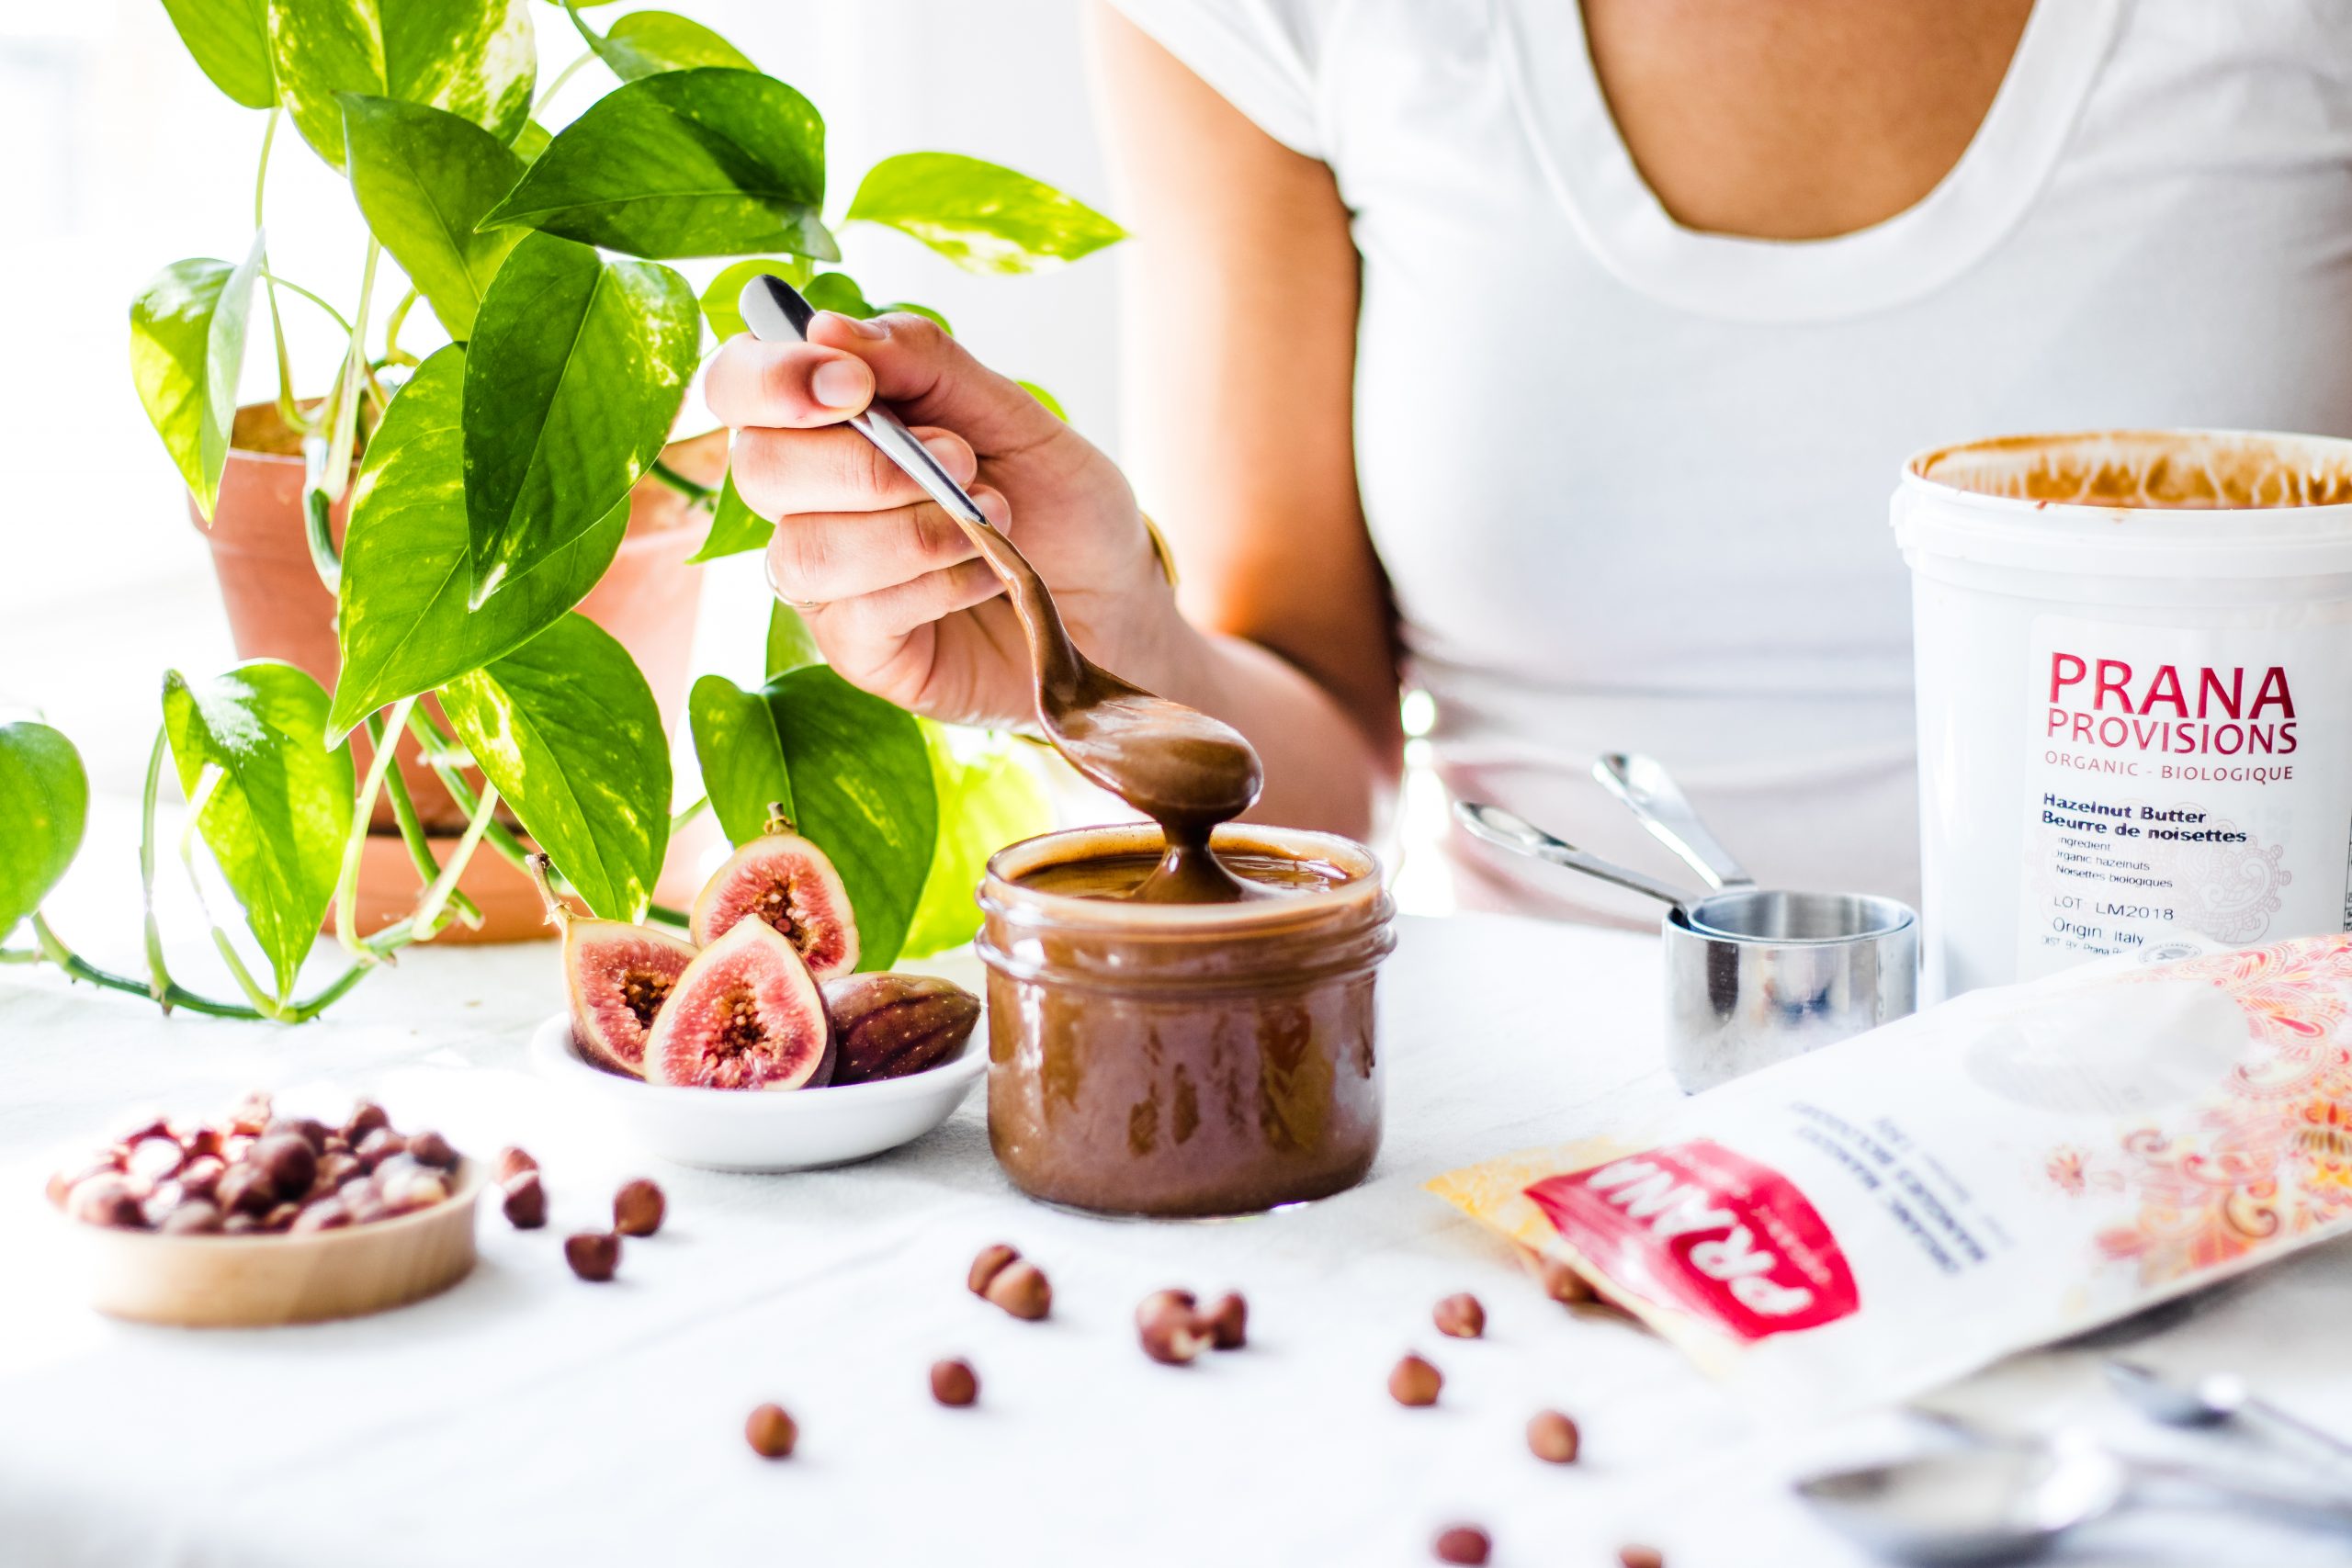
885 1026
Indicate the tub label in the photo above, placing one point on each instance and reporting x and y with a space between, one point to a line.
2195 778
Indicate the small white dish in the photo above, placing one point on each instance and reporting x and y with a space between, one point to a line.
727 1129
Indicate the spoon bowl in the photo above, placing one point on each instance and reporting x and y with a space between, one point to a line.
2002 1503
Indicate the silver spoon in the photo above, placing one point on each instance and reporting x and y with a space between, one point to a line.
1651 794
2219 1399
1508 830
2009 1501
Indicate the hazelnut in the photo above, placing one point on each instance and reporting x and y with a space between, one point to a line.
413 1188
525 1202
201 1141
1560 1282
200 1176
336 1170
1174 1336
1159 1301
638 1208
1464 1543
1552 1438
334 1144
432 1149
326 1214
239 1224
593 1254
1461 1317
1415 1381
104 1199
245 1189
251 1114
1228 1323
990 1262
512 1160
286 1162
281 1217
311 1132
1640 1557
366 1117
1021 1288
195 1217
166 1196
955 1383
770 1432
154 1159
378 1146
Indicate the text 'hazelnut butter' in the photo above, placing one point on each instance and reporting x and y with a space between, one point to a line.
1184 1059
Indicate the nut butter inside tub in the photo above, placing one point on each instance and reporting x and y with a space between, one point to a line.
2152 469
1183 1060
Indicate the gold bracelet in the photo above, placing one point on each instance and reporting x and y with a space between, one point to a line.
1159 550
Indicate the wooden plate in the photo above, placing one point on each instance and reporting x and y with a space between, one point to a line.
252 1282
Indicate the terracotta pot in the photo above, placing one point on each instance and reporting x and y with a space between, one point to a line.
649 599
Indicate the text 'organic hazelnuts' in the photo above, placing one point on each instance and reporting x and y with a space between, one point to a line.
1461 1317
954 1383
1552 1438
1021 1288
770 1432
1415 1381
593 1254
638 1208
1464 1543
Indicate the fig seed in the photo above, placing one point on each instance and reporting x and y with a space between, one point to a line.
770 1432
638 1208
1464 1543
954 1383
990 1262
1552 1438
1461 1317
1415 1381
1228 1323
593 1254
525 1202
1021 1288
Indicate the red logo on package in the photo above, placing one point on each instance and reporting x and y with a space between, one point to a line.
1697 1227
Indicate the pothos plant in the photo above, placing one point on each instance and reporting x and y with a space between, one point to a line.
492 486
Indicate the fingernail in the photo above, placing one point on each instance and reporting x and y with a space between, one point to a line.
944 452
861 327
841 384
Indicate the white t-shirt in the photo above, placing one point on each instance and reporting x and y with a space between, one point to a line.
1650 511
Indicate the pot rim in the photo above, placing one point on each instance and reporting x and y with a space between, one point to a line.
1001 895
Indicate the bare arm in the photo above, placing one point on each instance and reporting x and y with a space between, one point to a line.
1239 335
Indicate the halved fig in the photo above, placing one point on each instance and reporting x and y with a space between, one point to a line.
744 1015
616 977
788 882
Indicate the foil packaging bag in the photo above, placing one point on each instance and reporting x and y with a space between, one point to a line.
2023 1164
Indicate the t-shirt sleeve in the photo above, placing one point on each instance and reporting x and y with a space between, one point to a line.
1262 56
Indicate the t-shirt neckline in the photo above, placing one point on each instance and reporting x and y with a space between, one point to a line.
1914 253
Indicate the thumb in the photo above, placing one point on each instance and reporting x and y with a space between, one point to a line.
928 377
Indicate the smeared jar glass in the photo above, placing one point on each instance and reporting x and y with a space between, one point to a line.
1183 1060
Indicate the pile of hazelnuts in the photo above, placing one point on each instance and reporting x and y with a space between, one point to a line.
256 1172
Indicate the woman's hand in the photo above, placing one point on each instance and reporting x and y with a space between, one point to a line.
897 599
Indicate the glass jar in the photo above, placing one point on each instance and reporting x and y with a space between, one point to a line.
1184 1059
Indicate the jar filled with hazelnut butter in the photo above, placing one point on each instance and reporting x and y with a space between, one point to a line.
1184 1059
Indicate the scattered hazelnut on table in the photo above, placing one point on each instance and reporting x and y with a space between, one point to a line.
1228 1323
955 1383
1161 1302
1021 1288
593 1254
991 1261
1560 1282
1461 1317
1552 1438
1168 1330
1415 1381
770 1432
638 1208
512 1161
1464 1543
1640 1557
525 1201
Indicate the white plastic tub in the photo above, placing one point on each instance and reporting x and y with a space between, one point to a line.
2134 659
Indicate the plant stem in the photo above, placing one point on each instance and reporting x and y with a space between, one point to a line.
20 955
420 848
570 71
354 843
293 287
428 909
392 325
701 494
159 978
266 1005
437 744
345 430
667 916
678 822
287 409
55 952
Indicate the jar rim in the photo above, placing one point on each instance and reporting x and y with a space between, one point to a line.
1001 891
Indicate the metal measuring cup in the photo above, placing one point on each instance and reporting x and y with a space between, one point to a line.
1753 975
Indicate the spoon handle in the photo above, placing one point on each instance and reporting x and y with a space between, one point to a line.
1651 794
1508 830
2275 1426
2324 1508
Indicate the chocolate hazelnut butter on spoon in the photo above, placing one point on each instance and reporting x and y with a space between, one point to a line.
1185 770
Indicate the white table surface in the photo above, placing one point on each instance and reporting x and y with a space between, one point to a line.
526 1417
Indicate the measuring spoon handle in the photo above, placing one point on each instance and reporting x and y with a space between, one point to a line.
1508 830
1651 794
